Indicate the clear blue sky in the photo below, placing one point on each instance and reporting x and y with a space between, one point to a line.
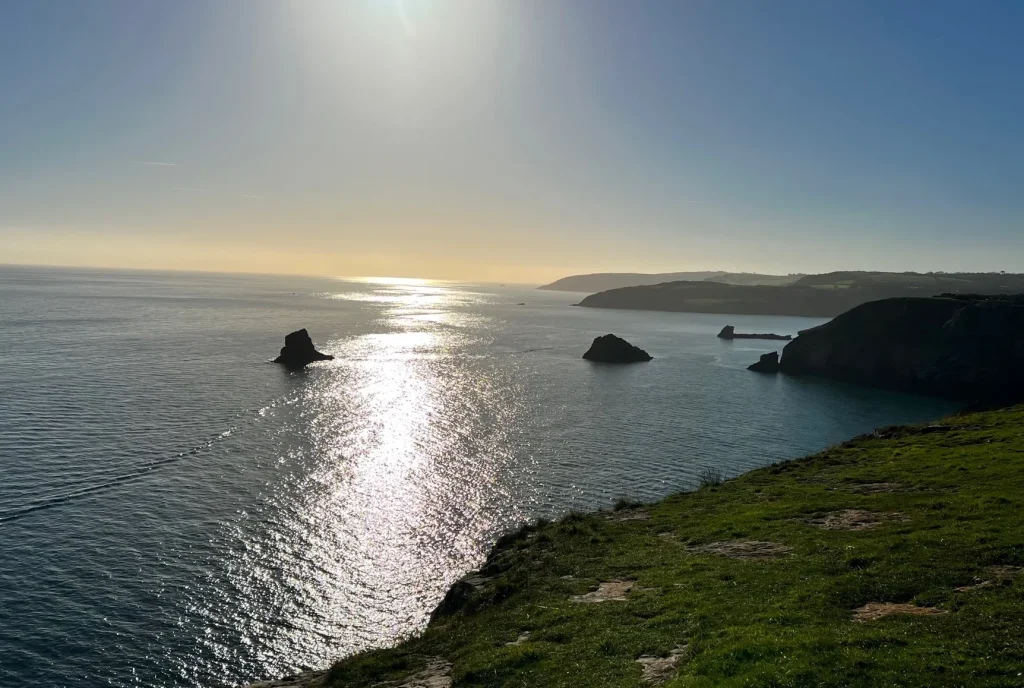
523 139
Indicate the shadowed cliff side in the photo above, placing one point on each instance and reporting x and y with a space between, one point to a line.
960 347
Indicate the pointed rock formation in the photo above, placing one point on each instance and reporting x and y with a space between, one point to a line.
298 351
612 349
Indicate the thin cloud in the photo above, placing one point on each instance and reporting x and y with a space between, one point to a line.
155 163
249 196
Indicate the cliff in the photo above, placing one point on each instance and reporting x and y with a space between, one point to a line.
961 347
892 559
823 296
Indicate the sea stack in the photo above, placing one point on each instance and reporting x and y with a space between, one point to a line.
298 351
768 363
612 349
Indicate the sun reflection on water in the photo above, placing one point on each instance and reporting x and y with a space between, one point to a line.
405 444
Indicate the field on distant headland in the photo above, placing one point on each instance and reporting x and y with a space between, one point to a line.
892 559
825 295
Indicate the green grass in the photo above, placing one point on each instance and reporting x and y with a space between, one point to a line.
781 622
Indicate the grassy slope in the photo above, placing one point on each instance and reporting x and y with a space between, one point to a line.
783 622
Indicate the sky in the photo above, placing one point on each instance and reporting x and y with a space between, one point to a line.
520 140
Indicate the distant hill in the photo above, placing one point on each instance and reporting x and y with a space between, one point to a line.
825 295
602 281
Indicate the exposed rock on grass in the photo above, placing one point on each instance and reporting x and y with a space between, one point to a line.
996 574
609 591
852 519
437 674
743 549
309 679
877 488
658 670
523 637
628 515
876 610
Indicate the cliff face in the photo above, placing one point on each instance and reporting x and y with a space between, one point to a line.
955 347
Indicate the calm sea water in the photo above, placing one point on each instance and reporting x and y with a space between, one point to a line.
176 511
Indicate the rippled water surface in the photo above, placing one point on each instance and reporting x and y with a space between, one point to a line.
177 511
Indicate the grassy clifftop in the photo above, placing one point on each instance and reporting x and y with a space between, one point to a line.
889 560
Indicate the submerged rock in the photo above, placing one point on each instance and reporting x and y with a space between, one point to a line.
729 332
612 349
298 351
768 363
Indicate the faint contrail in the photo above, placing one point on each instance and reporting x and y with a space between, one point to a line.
157 164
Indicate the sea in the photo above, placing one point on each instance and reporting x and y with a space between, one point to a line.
176 510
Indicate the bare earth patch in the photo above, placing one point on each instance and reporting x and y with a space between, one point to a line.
876 610
997 574
629 515
309 679
744 549
852 519
610 591
437 674
523 637
877 488
658 670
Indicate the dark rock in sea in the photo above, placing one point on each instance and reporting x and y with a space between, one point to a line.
768 363
298 351
729 332
962 347
612 349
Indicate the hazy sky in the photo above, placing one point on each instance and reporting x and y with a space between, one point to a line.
513 141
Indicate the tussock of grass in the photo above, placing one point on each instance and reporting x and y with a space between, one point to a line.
785 621
710 477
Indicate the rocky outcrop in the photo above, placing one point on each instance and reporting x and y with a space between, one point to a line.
612 349
298 351
309 679
729 332
959 347
768 363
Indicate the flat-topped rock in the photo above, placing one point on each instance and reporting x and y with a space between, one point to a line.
768 363
729 332
298 351
612 349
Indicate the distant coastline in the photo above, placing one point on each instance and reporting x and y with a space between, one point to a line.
825 295
603 281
